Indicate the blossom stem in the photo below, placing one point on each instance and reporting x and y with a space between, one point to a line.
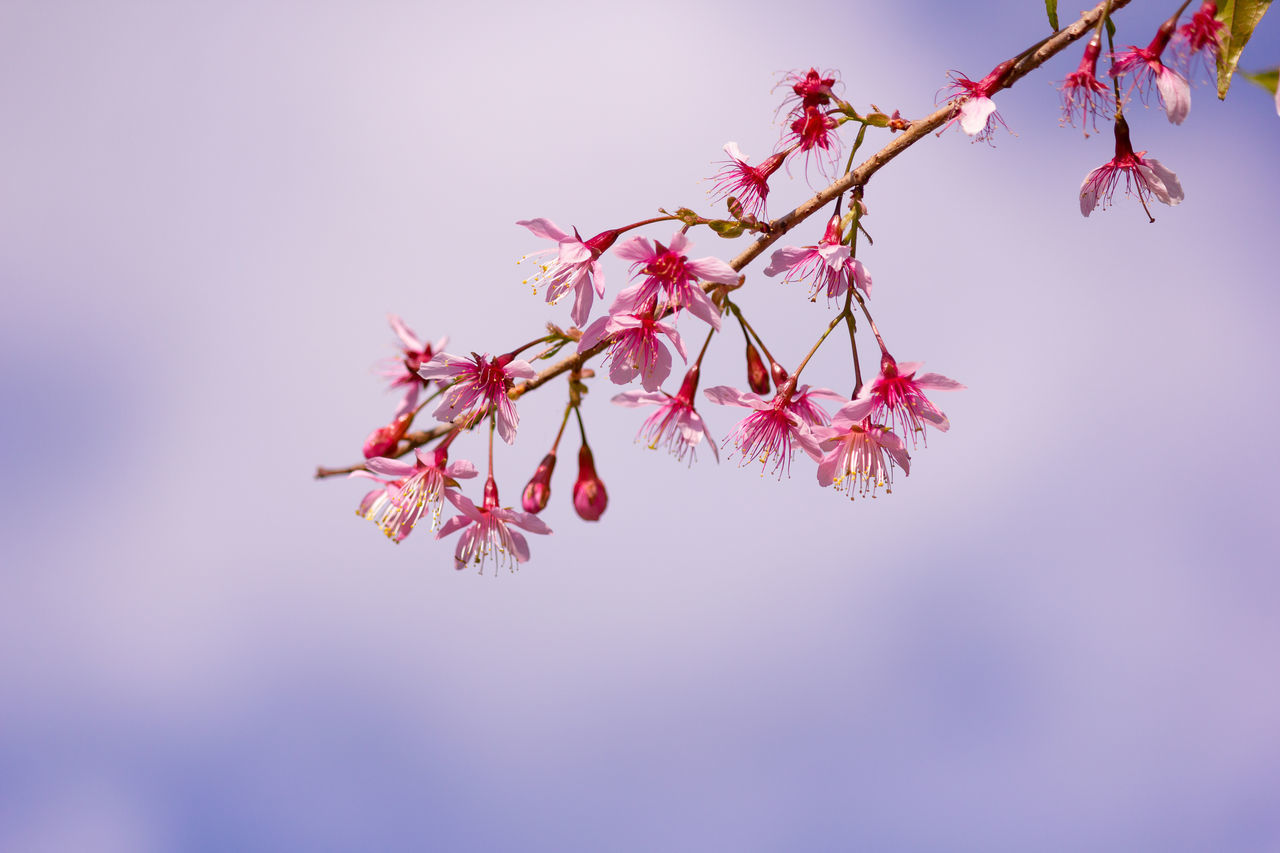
876 331
795 377
1102 19
853 343
748 328
582 430
493 422
563 421
702 352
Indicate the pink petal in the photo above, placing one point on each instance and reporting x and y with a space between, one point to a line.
703 308
454 524
788 257
393 468
633 399
593 334
545 229
713 269
461 470
1164 183
1175 94
938 382
731 148
637 249
443 365
406 335
974 114
520 369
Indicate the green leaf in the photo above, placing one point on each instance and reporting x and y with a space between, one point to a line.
1266 79
1051 6
1111 28
725 228
1241 18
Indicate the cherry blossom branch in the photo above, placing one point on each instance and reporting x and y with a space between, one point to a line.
1019 67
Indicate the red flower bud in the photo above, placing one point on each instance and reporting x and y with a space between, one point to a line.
589 495
757 373
384 439
538 491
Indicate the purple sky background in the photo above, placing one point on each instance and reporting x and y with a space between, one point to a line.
1058 634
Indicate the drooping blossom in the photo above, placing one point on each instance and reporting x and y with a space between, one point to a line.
748 184
972 104
589 496
675 424
829 263
813 134
808 89
538 490
1198 43
801 404
856 451
636 348
772 430
1143 176
1144 67
384 439
576 266
479 383
403 369
669 277
1083 94
897 397
489 530
411 490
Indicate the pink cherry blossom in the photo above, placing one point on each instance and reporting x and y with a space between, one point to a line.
813 134
1082 93
1198 43
828 263
576 266
384 439
478 384
801 404
538 490
403 369
1143 176
636 348
897 397
748 184
973 107
675 425
771 430
856 450
668 273
488 530
411 490
808 89
1144 67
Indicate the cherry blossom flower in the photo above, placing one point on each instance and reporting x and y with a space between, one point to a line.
973 107
489 530
538 490
1144 66
813 134
1198 43
411 490
403 369
897 397
636 348
808 89
1143 176
748 184
589 496
675 425
576 266
801 404
669 272
478 384
829 263
856 450
1082 93
772 430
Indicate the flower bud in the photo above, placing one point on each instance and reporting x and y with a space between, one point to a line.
780 374
383 440
757 373
538 491
589 495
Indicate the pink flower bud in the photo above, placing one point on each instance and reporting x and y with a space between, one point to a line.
757 373
538 491
589 495
383 440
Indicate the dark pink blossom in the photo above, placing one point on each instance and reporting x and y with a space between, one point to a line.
478 384
1142 176
813 134
828 263
403 369
668 278
589 496
897 397
1198 43
410 490
772 430
488 530
748 184
576 266
857 450
675 425
972 106
808 89
538 490
1082 93
383 440
1144 67
636 349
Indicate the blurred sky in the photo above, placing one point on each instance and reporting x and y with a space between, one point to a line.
1059 633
